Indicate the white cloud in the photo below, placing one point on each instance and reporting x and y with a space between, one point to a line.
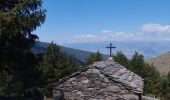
150 32
156 28
107 31
85 38
102 37
116 35
88 36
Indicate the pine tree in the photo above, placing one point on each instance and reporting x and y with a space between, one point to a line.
163 87
94 57
147 72
122 59
137 64
152 80
18 19
54 66
49 65
167 95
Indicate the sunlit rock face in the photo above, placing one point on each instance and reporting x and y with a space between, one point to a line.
103 80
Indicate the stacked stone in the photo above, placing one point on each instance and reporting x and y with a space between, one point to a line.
104 80
119 73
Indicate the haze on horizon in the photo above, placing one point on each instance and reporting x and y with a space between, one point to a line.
140 25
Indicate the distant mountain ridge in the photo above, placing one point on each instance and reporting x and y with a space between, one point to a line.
80 55
149 49
162 63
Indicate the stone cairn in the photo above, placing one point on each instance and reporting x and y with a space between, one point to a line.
103 80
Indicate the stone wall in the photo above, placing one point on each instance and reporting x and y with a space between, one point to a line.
98 81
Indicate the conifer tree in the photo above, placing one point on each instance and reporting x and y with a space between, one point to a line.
94 57
18 20
54 66
163 87
122 59
167 94
148 72
151 79
137 64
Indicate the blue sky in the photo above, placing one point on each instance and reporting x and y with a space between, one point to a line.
94 21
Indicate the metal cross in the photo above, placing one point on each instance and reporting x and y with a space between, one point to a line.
110 47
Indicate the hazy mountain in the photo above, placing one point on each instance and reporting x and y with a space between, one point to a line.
150 50
147 48
162 63
80 55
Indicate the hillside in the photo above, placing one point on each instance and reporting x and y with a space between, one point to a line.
162 63
80 55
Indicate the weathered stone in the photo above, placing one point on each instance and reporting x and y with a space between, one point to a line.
130 97
72 79
112 98
104 80
133 85
114 89
122 75
58 95
79 93
99 65
123 92
95 71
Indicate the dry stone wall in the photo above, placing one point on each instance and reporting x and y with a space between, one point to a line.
104 80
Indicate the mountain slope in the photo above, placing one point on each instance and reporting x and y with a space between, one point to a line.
162 63
80 55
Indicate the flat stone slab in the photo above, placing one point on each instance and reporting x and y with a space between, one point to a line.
120 74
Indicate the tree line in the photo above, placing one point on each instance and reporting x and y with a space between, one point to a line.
155 85
22 72
26 74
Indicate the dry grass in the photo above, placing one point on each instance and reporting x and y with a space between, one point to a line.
162 63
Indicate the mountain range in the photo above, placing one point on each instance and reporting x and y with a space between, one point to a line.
149 49
162 63
80 55
154 55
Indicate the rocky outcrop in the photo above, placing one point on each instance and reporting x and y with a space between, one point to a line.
119 73
104 80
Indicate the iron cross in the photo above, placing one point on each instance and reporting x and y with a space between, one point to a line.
110 47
